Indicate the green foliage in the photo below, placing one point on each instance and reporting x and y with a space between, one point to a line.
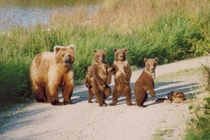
14 84
169 35
199 125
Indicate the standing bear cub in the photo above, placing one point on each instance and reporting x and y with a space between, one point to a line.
51 70
145 82
89 83
122 76
101 76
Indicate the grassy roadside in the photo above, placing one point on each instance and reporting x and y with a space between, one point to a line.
168 29
198 127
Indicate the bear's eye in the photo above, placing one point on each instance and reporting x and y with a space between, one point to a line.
62 55
69 55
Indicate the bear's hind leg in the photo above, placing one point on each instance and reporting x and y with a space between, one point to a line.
127 94
128 100
141 99
114 98
99 97
145 99
107 92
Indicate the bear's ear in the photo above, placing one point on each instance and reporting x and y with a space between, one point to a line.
115 49
156 59
105 50
126 50
95 51
145 59
72 47
56 48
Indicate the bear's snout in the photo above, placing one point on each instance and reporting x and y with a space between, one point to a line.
152 70
66 60
101 59
121 57
69 60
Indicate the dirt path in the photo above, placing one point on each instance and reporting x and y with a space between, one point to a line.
84 121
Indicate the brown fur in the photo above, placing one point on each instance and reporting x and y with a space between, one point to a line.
89 83
122 76
176 96
51 70
145 82
101 77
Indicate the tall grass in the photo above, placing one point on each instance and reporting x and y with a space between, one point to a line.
199 124
168 29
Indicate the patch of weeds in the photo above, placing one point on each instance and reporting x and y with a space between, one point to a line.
162 121
134 67
183 74
160 133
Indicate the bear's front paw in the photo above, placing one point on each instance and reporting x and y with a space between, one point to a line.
153 99
67 102
112 104
56 103
130 104
101 105
126 81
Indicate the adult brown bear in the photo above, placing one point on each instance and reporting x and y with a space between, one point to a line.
145 82
122 75
51 70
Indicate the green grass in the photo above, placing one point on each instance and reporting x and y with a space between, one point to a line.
180 75
170 30
198 127
162 133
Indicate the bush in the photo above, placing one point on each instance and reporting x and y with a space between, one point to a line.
199 125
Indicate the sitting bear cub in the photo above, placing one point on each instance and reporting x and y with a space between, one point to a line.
145 82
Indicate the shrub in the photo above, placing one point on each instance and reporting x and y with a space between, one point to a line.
199 125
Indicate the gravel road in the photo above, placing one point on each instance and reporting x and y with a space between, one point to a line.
88 121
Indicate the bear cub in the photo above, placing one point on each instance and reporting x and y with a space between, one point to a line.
89 83
51 70
122 75
101 76
145 82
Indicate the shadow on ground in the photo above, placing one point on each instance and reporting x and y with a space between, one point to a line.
161 90
80 95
